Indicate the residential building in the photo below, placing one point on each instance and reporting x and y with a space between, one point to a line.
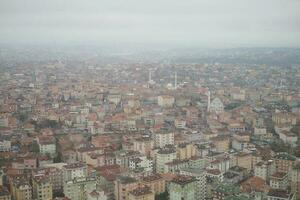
74 170
47 145
240 141
79 188
180 123
223 191
4 193
279 194
183 187
5 145
216 106
155 182
242 160
141 162
294 174
255 187
222 164
55 176
21 189
42 187
123 185
143 145
163 138
284 162
163 156
185 151
165 101
284 118
141 193
279 180
221 143
96 195
200 176
265 169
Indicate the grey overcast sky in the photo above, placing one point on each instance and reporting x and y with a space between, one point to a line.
208 23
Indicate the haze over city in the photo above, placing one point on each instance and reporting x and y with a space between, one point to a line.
203 23
149 100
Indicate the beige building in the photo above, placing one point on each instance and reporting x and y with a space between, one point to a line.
143 145
123 185
284 118
284 162
185 151
242 160
221 143
294 175
21 189
4 193
155 182
42 187
141 193
165 101
180 123
163 138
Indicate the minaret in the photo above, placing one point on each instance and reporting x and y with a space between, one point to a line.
150 76
149 81
175 81
208 101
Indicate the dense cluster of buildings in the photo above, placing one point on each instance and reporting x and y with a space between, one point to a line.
208 132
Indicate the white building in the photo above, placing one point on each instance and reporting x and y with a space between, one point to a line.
222 164
288 137
260 131
47 145
79 188
74 170
141 162
216 106
200 176
265 169
163 156
279 180
180 123
5 145
4 122
163 138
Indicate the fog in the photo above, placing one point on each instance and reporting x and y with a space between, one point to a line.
205 23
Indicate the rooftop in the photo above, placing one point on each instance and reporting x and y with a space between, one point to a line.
126 179
279 175
142 190
74 165
152 177
182 180
279 193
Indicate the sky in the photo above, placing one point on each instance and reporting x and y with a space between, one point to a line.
204 23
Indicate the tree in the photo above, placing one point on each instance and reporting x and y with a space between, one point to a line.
34 147
162 196
57 158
